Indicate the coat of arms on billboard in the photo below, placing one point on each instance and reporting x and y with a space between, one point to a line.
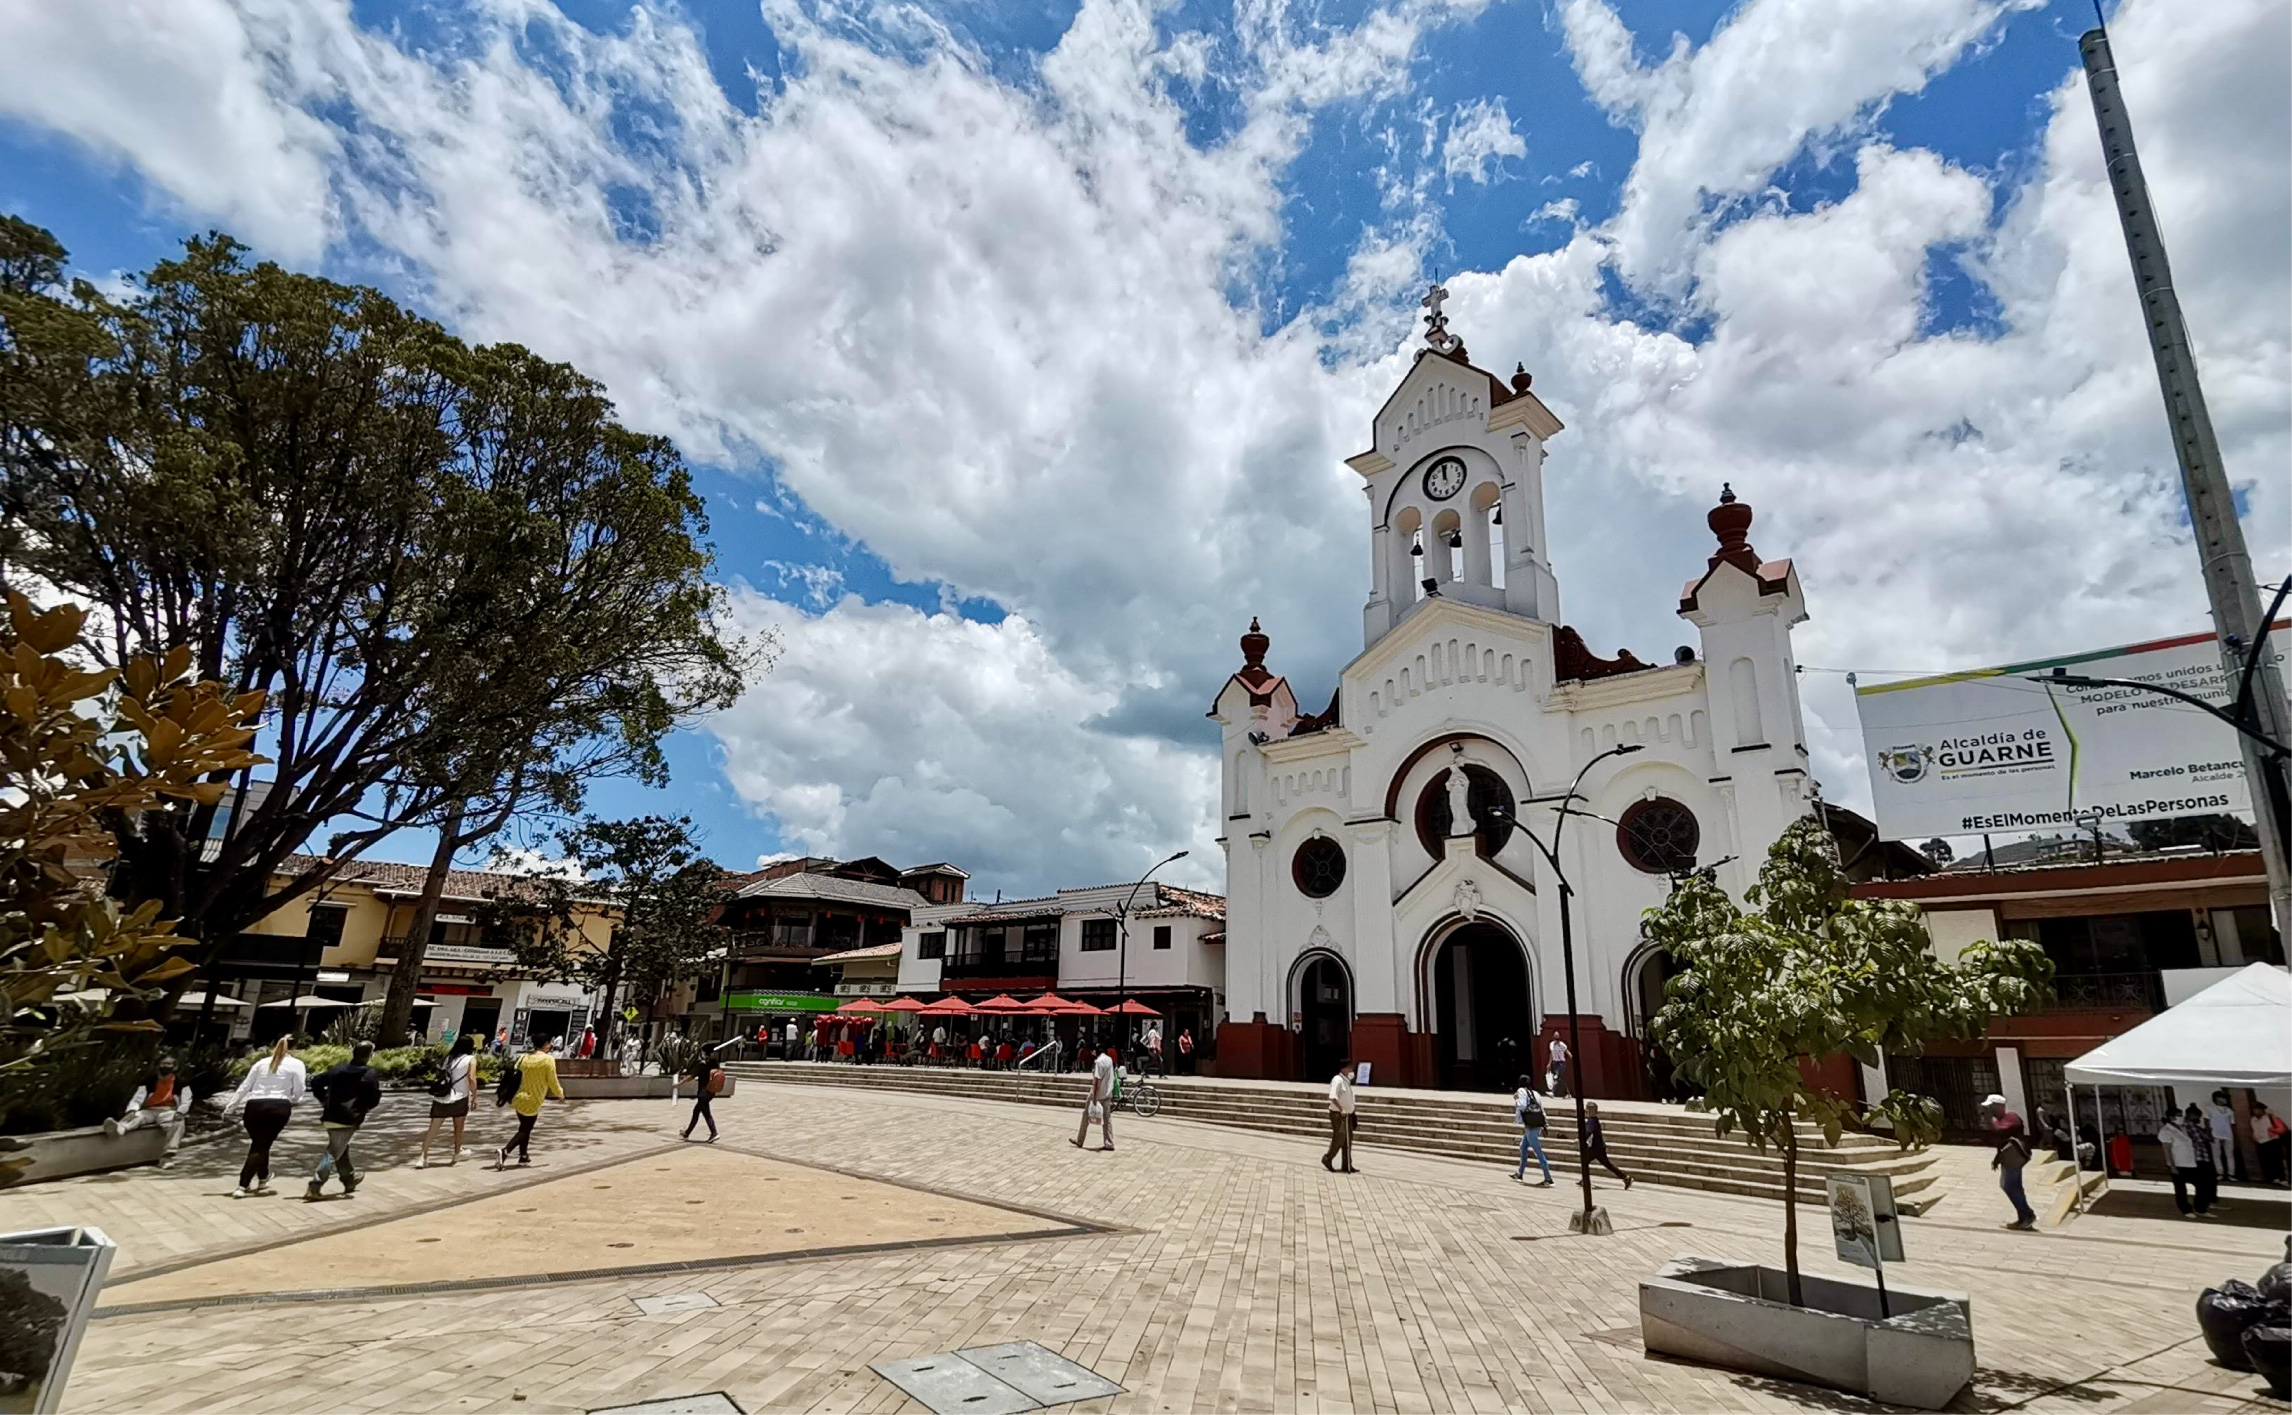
1906 764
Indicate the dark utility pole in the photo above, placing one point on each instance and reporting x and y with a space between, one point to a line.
2227 565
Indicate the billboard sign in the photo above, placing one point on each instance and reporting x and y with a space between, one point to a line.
1990 750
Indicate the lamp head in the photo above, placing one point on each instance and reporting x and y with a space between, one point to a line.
1625 749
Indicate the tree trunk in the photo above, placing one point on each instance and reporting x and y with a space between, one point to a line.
398 1010
1791 1207
612 979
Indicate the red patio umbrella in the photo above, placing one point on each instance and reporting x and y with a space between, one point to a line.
1074 1008
947 1007
1048 1002
1132 1007
861 1004
1002 1002
903 1004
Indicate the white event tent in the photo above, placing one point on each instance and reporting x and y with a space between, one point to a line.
2238 1032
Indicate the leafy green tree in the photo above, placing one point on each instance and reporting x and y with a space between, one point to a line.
660 892
75 745
445 568
1808 972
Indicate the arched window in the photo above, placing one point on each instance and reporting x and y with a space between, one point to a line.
1743 679
1659 837
1493 811
1318 867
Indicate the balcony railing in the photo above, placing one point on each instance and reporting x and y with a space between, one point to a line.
1001 966
2075 992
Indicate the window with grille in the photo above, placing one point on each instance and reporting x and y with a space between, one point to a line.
1318 867
1659 837
1097 935
931 945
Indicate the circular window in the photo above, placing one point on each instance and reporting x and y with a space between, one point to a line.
1659 836
1492 805
1318 867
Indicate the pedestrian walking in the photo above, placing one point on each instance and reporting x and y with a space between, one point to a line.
1595 1143
2181 1153
2270 1137
349 1093
536 1077
588 1043
162 1102
1341 1103
1559 1067
450 1098
266 1096
1154 1051
1528 1109
707 1085
2011 1157
1100 1103
793 1039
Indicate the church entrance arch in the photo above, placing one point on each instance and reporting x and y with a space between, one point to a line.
1644 978
1483 1017
1325 1007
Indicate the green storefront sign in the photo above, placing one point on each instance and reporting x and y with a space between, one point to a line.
779 1002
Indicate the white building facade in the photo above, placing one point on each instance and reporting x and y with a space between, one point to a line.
1384 898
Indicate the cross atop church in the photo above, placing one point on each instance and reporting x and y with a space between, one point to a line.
1436 323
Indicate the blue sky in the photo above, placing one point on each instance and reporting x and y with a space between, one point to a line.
1015 345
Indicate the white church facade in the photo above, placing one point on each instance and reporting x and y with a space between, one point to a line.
1385 899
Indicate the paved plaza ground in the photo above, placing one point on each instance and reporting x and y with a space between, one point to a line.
1202 1268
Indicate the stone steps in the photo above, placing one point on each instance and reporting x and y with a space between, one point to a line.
1669 1147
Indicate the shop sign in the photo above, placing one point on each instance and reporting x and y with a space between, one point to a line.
467 953
778 1002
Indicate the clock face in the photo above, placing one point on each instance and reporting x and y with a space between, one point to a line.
1444 478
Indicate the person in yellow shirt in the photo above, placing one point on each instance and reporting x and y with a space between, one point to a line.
537 1079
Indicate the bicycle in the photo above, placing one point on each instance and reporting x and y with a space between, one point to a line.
1142 1095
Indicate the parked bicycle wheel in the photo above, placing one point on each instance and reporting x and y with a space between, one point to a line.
1145 1099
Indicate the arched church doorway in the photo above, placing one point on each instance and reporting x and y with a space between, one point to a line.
1325 1002
1644 979
1482 1015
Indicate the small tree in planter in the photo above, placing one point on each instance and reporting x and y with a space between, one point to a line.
1808 972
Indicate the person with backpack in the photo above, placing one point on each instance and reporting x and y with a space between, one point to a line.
1528 1109
349 1093
523 1088
267 1095
707 1085
2011 1158
450 1097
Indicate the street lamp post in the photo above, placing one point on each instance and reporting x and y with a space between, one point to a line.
1583 1222
1122 959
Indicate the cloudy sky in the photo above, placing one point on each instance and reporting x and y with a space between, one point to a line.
1018 344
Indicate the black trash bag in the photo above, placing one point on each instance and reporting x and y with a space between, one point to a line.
2223 1314
2270 1351
2276 1283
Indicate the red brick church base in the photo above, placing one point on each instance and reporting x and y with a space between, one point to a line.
1266 1051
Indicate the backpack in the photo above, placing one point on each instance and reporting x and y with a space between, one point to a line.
512 1077
716 1080
442 1084
1531 1113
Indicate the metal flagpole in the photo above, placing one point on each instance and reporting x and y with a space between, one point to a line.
2226 564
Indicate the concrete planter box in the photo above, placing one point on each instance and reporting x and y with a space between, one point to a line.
49 1279
1736 1315
60 1154
630 1088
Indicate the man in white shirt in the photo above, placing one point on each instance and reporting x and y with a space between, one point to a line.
1559 1075
1100 1102
1340 1120
2181 1154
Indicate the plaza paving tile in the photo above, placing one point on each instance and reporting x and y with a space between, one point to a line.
1232 1274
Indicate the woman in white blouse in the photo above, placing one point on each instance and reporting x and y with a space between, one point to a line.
268 1094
